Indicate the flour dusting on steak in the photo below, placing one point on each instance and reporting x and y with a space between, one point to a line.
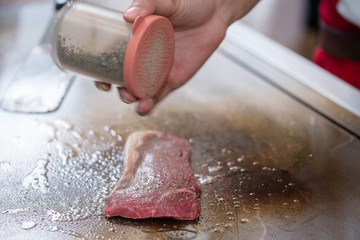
158 181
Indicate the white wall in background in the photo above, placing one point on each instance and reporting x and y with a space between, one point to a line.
281 20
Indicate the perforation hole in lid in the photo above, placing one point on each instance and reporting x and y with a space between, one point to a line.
153 59
154 55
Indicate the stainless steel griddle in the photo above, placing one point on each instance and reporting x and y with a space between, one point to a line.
277 155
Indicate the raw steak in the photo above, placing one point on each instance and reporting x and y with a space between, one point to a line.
157 182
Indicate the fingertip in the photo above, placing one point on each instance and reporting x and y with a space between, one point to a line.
145 106
125 96
103 86
138 9
131 13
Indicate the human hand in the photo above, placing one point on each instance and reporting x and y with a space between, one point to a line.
199 26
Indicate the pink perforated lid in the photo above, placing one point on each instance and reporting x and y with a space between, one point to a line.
149 56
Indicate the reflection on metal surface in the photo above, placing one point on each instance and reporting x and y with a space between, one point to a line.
298 77
267 170
251 186
270 166
39 86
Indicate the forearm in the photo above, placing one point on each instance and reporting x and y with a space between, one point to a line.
232 10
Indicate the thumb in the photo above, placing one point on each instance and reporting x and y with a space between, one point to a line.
148 7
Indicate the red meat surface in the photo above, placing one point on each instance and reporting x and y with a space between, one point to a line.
158 181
